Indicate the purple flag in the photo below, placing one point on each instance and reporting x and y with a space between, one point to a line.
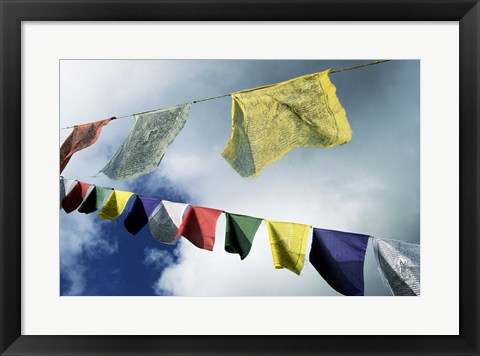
338 257
139 213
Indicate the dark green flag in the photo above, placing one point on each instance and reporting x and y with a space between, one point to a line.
94 200
239 233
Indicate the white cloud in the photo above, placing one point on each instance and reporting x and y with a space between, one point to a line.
80 237
157 258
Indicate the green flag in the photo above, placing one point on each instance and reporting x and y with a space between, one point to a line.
239 233
94 200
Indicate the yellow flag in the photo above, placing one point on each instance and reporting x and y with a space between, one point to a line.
289 244
115 204
270 121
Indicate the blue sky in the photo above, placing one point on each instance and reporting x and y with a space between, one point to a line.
370 185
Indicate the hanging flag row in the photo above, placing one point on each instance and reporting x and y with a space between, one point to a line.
337 256
267 123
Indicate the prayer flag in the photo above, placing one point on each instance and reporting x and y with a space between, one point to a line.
199 225
62 191
399 265
65 185
81 137
115 204
94 199
289 244
339 258
166 220
75 197
270 121
239 233
144 147
139 213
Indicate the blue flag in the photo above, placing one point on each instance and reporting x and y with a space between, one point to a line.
339 257
139 213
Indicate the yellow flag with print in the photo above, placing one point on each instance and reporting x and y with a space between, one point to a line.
288 242
270 121
115 205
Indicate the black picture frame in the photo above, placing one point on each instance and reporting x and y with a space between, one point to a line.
13 12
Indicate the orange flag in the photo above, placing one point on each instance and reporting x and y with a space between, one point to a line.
81 137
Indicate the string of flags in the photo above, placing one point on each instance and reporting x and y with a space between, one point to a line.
267 123
337 256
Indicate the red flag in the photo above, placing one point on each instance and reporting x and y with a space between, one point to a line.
198 226
81 137
75 197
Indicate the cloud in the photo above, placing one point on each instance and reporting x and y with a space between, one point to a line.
74 274
81 240
157 258
161 260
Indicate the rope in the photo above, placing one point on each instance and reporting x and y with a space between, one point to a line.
222 96
213 97
359 66
145 112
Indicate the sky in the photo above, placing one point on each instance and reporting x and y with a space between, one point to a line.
370 185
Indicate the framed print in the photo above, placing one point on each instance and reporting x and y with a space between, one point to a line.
342 222
197 175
